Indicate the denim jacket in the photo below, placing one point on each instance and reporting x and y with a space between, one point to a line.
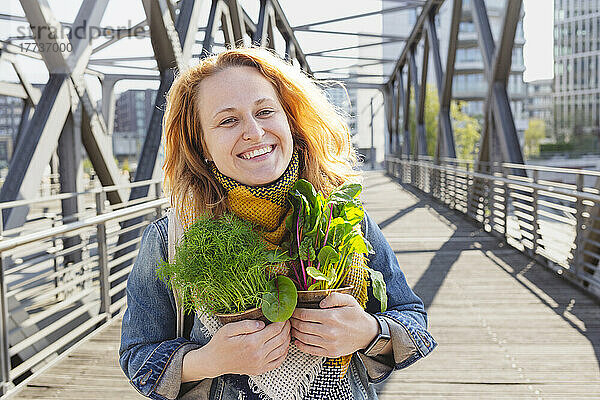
152 356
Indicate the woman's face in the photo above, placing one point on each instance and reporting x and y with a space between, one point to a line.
245 128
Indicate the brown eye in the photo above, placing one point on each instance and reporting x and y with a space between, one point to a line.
227 121
265 112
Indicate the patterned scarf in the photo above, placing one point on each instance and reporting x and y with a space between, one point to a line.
301 376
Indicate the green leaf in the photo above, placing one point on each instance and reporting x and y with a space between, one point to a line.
369 246
355 243
339 228
279 302
277 256
306 189
307 252
327 255
379 289
352 213
350 189
318 275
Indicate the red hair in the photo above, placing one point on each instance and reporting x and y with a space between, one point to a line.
320 132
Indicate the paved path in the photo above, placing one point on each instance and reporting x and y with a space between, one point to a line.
507 328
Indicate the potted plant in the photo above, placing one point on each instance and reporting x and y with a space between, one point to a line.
220 267
325 236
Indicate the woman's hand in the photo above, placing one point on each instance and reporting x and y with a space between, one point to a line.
339 328
246 347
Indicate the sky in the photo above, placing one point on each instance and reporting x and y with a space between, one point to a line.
538 29
539 39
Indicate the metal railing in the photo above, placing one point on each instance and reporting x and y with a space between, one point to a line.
546 218
50 299
56 218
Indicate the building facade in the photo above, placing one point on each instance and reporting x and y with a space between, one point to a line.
470 83
539 103
132 115
10 119
576 68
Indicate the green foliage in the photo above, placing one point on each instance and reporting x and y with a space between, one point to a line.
379 290
535 133
467 131
431 117
219 266
125 165
279 302
560 147
87 166
328 227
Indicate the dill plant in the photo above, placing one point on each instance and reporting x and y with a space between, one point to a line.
220 266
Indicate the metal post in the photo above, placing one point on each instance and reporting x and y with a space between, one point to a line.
506 202
54 260
453 193
536 227
158 192
491 192
579 231
103 258
469 190
4 354
372 149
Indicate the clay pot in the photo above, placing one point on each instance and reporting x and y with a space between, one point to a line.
312 298
253 313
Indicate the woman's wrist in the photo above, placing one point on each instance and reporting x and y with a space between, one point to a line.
199 364
371 331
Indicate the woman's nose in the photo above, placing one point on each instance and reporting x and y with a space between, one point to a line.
252 130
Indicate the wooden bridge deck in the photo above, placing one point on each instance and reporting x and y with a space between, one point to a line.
507 328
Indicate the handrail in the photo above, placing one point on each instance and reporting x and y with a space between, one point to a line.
8 244
525 213
531 185
62 196
88 286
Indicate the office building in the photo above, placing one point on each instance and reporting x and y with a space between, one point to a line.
539 104
576 68
10 118
132 116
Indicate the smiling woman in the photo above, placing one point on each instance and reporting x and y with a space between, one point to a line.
241 129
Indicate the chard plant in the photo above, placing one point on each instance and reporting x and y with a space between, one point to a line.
221 267
325 236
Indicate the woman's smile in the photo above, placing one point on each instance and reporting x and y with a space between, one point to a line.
258 153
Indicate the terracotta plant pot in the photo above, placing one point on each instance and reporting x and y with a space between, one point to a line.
312 298
253 313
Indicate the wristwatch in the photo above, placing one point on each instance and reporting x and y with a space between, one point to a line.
381 340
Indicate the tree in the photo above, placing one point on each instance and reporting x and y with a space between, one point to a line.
535 133
125 165
432 110
467 131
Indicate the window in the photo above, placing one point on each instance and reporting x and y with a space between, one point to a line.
466 26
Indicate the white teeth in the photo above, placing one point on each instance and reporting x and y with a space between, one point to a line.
257 152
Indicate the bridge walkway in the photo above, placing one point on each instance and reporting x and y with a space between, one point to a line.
507 327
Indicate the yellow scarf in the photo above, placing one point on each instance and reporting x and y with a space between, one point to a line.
267 207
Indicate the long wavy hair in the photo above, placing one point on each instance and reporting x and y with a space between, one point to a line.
319 130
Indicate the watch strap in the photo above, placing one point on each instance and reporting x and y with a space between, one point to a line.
381 340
